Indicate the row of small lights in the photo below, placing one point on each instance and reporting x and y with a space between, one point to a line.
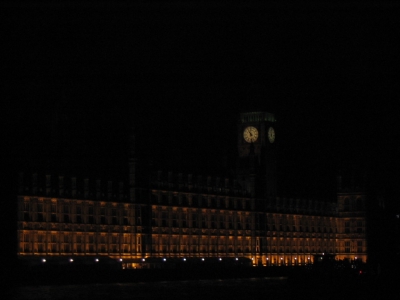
143 259
164 259
294 258
184 259
71 260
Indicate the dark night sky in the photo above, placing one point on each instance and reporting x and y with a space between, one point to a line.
181 73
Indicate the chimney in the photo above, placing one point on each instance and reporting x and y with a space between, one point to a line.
48 185
60 185
73 187
34 183
98 189
86 188
170 180
109 190
190 181
121 191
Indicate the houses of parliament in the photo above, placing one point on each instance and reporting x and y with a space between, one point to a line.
159 215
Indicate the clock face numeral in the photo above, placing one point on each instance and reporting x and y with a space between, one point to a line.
271 135
250 134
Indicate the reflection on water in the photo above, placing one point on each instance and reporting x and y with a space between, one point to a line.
196 289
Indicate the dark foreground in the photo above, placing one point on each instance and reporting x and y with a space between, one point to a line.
271 288
235 283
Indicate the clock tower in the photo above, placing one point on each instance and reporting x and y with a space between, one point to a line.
256 166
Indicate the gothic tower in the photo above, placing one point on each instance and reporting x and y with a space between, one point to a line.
256 166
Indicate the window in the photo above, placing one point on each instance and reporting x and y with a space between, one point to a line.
347 227
66 218
359 246
359 227
103 215
26 216
203 221
347 247
184 219
247 223
194 201
138 214
114 216
164 199
184 200
40 212
91 219
125 213
239 222
194 220
175 200
221 221
213 222
175 219
154 198
164 220
153 218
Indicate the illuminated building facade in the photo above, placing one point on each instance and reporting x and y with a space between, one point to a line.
164 214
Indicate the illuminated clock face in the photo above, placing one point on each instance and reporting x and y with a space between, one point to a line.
250 134
271 135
